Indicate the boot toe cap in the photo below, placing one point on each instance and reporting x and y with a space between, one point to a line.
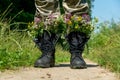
78 63
38 63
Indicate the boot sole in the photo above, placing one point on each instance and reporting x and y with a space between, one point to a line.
78 67
44 66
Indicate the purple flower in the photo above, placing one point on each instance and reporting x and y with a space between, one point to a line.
68 16
66 20
86 17
37 20
51 16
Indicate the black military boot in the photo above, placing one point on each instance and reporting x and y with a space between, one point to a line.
46 43
77 42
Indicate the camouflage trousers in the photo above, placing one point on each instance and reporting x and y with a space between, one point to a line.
47 7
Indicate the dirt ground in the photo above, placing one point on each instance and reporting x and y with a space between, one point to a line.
60 72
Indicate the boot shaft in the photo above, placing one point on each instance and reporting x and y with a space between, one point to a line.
77 41
46 42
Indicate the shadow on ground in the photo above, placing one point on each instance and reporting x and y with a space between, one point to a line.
68 65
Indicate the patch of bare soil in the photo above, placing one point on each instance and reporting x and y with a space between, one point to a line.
60 72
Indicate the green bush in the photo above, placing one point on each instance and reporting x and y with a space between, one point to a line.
104 46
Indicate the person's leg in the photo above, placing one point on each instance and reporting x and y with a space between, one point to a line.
46 43
77 7
45 7
77 43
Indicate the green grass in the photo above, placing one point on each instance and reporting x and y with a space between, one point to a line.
104 47
18 50
62 55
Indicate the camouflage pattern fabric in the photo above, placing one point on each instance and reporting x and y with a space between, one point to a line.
47 7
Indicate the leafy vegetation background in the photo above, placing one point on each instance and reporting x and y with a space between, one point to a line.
18 50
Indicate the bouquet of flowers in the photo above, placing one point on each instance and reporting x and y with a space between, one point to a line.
64 24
